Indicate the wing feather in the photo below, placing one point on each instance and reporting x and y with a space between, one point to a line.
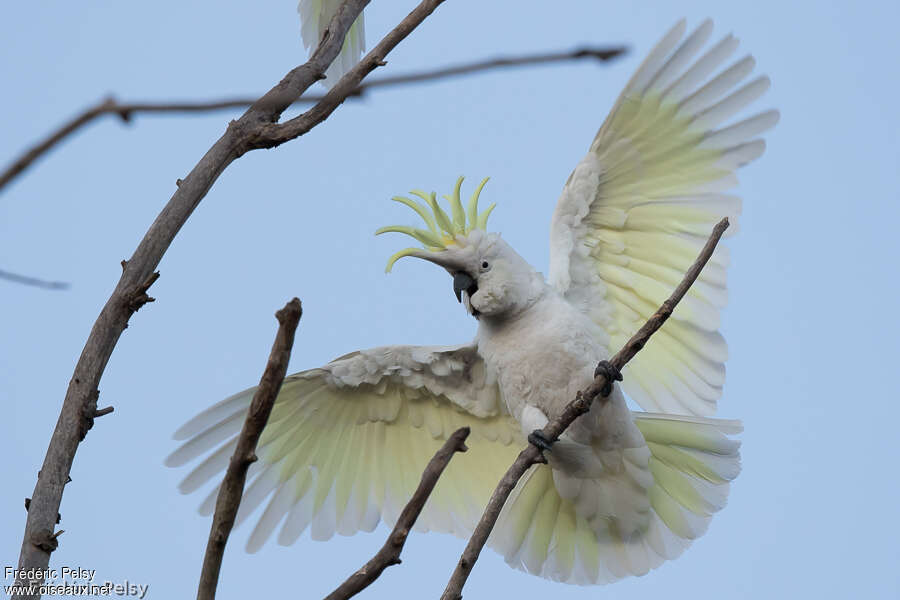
637 209
348 442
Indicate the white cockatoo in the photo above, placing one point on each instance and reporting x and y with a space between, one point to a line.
624 490
314 18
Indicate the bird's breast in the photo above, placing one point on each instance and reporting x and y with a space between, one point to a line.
542 358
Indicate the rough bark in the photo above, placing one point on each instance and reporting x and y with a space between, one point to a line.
138 273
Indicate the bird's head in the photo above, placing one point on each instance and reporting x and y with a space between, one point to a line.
489 277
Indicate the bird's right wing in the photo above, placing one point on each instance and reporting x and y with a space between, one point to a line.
346 444
314 18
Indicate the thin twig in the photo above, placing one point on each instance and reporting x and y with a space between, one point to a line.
138 273
600 54
229 498
577 407
33 281
126 110
22 163
389 554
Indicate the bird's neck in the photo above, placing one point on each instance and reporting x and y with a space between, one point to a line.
536 290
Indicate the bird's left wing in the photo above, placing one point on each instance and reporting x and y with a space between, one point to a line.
346 444
314 18
635 212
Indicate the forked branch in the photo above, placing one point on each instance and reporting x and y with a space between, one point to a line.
577 407
138 272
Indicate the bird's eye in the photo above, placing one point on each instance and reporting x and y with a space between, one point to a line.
485 265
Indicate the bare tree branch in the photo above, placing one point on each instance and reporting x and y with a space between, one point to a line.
229 498
125 110
577 407
600 54
33 281
22 163
138 272
389 554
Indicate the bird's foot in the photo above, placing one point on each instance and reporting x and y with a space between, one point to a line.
610 373
536 438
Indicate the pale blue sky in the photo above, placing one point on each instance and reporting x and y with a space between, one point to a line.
812 321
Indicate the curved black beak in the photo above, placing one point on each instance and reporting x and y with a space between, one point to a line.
463 281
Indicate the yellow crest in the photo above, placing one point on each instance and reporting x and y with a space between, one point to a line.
442 228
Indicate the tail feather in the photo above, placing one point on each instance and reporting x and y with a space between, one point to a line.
691 461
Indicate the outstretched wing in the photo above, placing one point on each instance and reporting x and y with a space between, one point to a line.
314 18
346 444
637 209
